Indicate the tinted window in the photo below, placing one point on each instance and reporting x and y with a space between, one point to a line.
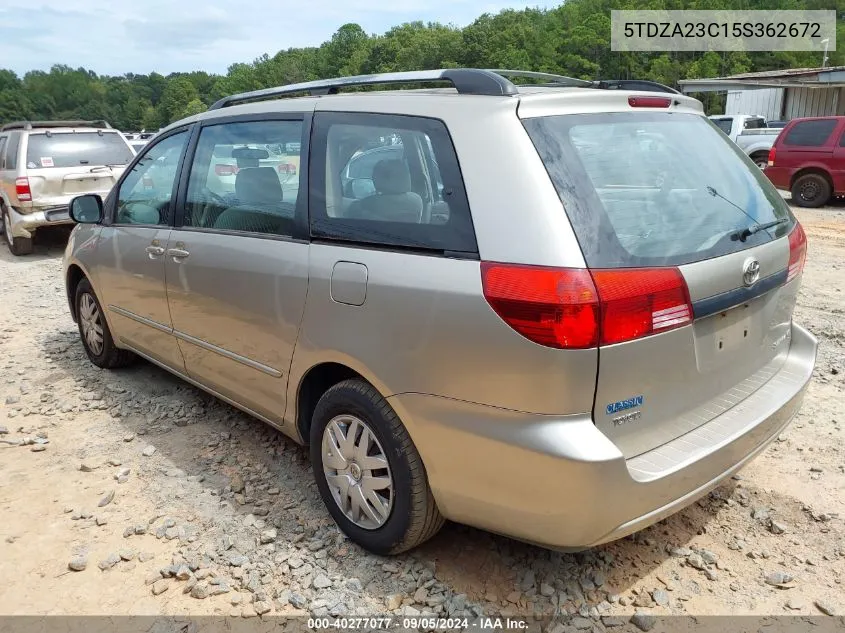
651 201
842 140
389 180
754 124
2 150
724 125
241 180
810 133
72 149
12 150
144 195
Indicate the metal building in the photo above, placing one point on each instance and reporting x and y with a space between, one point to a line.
779 94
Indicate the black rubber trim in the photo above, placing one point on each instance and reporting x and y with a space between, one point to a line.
726 300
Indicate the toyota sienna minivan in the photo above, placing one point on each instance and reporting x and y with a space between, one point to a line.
552 310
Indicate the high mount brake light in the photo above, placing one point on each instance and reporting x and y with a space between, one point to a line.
649 102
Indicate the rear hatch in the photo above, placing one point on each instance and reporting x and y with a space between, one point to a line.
694 311
65 163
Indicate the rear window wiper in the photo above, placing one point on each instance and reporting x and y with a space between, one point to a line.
747 232
102 167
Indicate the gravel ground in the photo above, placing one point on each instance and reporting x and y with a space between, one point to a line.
130 492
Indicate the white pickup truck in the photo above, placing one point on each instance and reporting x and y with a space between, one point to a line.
750 132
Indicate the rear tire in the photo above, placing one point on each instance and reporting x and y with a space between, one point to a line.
811 191
761 160
407 514
17 245
94 331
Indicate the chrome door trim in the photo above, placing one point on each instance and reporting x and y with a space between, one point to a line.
227 354
131 315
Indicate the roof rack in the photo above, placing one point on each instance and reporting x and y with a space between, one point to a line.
633 84
472 81
32 125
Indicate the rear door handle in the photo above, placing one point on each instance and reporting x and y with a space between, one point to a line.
177 253
155 250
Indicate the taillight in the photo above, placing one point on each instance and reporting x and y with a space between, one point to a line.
649 102
22 189
637 302
225 170
573 308
286 168
797 252
555 307
771 161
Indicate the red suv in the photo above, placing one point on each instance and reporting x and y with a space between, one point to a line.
808 159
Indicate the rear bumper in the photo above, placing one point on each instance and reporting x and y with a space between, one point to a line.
780 177
24 224
560 483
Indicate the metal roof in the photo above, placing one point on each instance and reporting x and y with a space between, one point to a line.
828 77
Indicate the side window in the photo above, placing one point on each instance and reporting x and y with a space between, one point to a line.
842 140
754 124
245 177
724 125
144 195
2 152
810 133
12 150
388 180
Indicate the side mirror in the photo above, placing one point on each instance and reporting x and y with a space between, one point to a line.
87 209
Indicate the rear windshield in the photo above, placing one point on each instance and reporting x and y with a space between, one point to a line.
72 149
654 189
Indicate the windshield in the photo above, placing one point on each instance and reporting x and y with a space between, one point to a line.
75 149
654 189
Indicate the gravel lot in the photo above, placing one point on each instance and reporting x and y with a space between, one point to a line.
131 492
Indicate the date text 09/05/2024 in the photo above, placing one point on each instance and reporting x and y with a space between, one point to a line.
417 623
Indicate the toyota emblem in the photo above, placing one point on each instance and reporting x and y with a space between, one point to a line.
750 271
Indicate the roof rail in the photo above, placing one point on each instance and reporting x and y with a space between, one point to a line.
561 80
474 81
633 84
32 125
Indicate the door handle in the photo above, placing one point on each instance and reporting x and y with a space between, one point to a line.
177 253
155 250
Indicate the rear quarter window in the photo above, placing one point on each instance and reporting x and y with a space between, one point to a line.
810 133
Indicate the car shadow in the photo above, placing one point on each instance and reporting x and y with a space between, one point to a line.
209 438
49 243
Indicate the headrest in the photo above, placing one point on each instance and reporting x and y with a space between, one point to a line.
258 186
391 177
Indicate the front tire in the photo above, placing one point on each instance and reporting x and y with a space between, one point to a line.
369 472
94 331
17 245
811 191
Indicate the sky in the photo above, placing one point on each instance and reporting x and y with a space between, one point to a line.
121 36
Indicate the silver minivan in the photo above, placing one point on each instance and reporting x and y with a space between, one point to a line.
555 311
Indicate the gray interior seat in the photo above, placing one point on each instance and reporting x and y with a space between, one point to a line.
259 209
394 201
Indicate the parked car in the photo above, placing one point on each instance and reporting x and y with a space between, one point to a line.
43 164
752 133
808 160
509 329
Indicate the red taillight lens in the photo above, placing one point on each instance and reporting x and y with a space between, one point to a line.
22 189
573 308
286 168
771 161
797 252
649 102
555 307
637 302
224 170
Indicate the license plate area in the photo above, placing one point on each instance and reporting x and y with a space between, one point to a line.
732 329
